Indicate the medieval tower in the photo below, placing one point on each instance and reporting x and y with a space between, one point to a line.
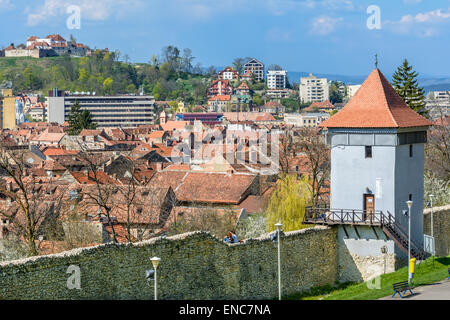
377 165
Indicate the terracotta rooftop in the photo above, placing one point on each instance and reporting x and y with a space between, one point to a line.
376 105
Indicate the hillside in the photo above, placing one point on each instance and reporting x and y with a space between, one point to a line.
102 74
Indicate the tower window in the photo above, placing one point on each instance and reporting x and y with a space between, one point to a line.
410 197
368 151
410 150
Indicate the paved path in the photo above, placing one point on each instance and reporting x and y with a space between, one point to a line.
437 291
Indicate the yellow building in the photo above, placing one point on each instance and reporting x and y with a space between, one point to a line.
8 109
181 108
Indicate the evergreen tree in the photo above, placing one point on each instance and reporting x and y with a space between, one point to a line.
79 119
406 84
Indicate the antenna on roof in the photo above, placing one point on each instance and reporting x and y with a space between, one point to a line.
376 61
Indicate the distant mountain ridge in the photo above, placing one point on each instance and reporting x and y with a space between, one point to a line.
428 82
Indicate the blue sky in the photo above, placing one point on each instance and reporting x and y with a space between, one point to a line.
321 36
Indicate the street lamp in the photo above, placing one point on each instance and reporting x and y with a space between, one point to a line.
155 262
432 223
409 203
278 226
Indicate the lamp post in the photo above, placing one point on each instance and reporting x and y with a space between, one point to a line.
432 223
278 226
409 203
155 262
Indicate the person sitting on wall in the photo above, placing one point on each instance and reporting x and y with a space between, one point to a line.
231 238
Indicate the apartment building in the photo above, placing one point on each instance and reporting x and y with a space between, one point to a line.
312 119
276 79
352 89
313 89
8 109
228 74
256 68
126 111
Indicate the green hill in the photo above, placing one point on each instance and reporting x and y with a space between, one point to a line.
103 73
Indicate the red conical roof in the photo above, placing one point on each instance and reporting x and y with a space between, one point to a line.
376 105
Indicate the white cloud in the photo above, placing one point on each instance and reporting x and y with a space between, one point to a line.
324 25
97 10
5 5
424 24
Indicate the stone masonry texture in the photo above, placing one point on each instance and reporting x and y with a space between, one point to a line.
193 266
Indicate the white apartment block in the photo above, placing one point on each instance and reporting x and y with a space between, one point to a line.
312 119
126 111
351 90
313 89
276 79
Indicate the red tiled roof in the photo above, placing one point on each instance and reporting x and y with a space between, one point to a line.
376 105
220 98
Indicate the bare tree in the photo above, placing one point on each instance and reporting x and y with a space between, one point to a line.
29 202
104 189
307 145
438 149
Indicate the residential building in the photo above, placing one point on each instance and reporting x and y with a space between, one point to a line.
276 79
309 119
219 88
313 89
37 112
352 89
8 109
256 68
324 106
125 111
243 89
228 74
219 103
247 76
279 93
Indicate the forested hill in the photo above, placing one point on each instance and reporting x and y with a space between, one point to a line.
168 78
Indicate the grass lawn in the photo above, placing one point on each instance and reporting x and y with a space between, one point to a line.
425 274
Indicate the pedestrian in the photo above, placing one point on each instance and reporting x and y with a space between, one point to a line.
231 238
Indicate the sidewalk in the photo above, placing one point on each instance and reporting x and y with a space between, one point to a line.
436 291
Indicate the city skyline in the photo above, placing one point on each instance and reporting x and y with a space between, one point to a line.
326 36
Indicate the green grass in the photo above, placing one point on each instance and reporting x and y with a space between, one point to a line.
425 274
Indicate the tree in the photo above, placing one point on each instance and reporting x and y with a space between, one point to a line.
108 85
30 202
187 60
72 39
335 94
238 64
308 147
406 84
437 150
275 67
79 119
288 202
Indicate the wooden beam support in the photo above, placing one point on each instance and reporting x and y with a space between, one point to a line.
374 231
345 230
357 233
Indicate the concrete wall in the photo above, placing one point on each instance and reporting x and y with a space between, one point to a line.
409 176
352 174
193 266
441 230
361 258
55 109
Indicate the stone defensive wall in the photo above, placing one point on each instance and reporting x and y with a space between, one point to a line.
441 230
193 266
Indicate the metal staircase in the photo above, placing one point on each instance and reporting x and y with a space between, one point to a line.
386 222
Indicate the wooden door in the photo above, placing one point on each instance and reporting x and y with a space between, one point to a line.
369 205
